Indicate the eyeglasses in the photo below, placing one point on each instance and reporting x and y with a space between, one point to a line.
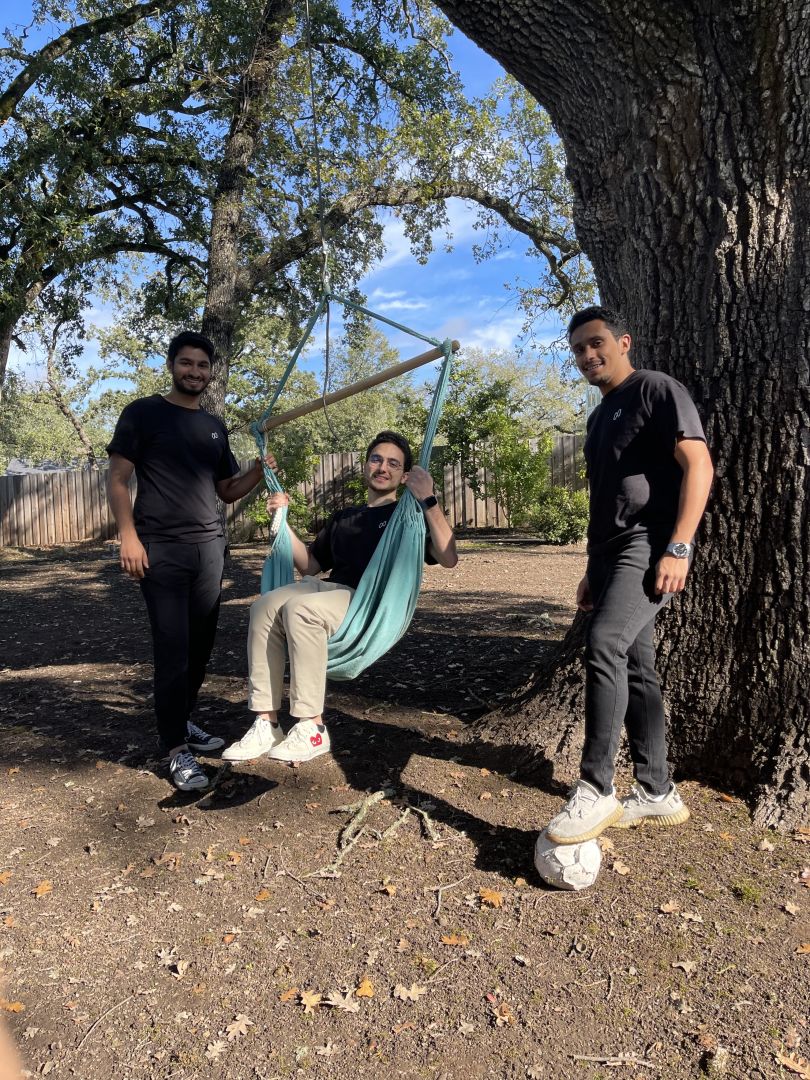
392 463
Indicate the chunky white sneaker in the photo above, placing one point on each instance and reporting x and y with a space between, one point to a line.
260 737
584 816
186 774
304 742
639 808
200 741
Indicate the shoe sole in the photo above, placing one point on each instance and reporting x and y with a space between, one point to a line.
199 748
246 757
190 787
678 818
597 830
301 760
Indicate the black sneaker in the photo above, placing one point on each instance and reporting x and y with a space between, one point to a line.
186 774
200 741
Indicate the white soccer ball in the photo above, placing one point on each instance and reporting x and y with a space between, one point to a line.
567 866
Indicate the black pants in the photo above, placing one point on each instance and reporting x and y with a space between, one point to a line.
621 686
181 589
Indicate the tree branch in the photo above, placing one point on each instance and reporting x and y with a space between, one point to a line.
77 35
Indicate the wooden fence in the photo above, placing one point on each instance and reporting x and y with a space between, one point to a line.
53 508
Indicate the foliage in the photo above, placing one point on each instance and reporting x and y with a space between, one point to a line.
496 424
560 516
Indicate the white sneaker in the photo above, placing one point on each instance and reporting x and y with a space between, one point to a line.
584 816
639 807
259 739
304 742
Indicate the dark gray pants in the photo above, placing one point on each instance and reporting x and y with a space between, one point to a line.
621 686
181 589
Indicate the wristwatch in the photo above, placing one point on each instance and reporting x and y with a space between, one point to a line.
679 549
429 502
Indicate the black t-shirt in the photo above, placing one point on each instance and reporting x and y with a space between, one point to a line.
635 481
348 540
179 456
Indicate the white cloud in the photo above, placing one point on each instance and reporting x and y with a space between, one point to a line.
383 294
403 305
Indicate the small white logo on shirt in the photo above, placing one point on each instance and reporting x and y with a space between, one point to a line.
382 524
215 434
617 414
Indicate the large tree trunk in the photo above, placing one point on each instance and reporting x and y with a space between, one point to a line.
221 300
687 136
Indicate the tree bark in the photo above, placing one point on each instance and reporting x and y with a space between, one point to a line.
687 133
220 311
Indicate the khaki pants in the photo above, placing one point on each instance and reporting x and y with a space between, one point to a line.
301 616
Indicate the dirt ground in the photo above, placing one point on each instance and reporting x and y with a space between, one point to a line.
250 933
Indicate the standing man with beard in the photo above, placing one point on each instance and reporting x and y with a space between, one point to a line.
298 619
172 541
649 473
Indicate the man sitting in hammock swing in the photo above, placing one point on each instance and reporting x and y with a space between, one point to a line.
298 619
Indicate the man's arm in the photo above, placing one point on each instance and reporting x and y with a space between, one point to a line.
693 457
236 487
132 554
442 544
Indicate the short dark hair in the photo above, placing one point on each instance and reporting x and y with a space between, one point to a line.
613 320
195 340
398 440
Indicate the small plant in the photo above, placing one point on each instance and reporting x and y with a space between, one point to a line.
747 891
561 516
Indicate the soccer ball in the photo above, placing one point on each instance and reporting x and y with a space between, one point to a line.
567 866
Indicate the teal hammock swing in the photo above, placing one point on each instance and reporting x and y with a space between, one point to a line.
384 602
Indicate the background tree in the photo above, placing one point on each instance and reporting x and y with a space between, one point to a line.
686 128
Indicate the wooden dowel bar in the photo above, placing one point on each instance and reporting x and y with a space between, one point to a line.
357 387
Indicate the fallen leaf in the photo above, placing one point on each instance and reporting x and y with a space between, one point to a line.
43 888
796 1064
262 895
790 908
144 822
455 939
329 1049
727 836
403 945
765 845
288 995
228 938
179 968
238 1026
725 798
11 1006
310 1000
365 989
687 966
804 948
389 890
485 795
214 1049
397 1029
491 897
465 1028
347 1002
245 840
6 876
404 994
234 858
485 772
620 868
503 1014
605 843
669 908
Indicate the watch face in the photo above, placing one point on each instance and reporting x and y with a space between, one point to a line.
679 550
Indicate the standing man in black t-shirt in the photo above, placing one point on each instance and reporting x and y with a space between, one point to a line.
298 619
173 540
650 473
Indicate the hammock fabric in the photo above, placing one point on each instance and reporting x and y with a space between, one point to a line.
385 600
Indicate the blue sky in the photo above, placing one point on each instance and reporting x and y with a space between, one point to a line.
452 296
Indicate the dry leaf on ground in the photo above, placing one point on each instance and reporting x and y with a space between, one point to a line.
620 867
365 989
669 908
214 1049
502 1012
687 966
288 995
455 939
11 1006
404 994
310 1000
238 1026
798 1065
262 895
346 1001
5 876
43 888
804 948
491 897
